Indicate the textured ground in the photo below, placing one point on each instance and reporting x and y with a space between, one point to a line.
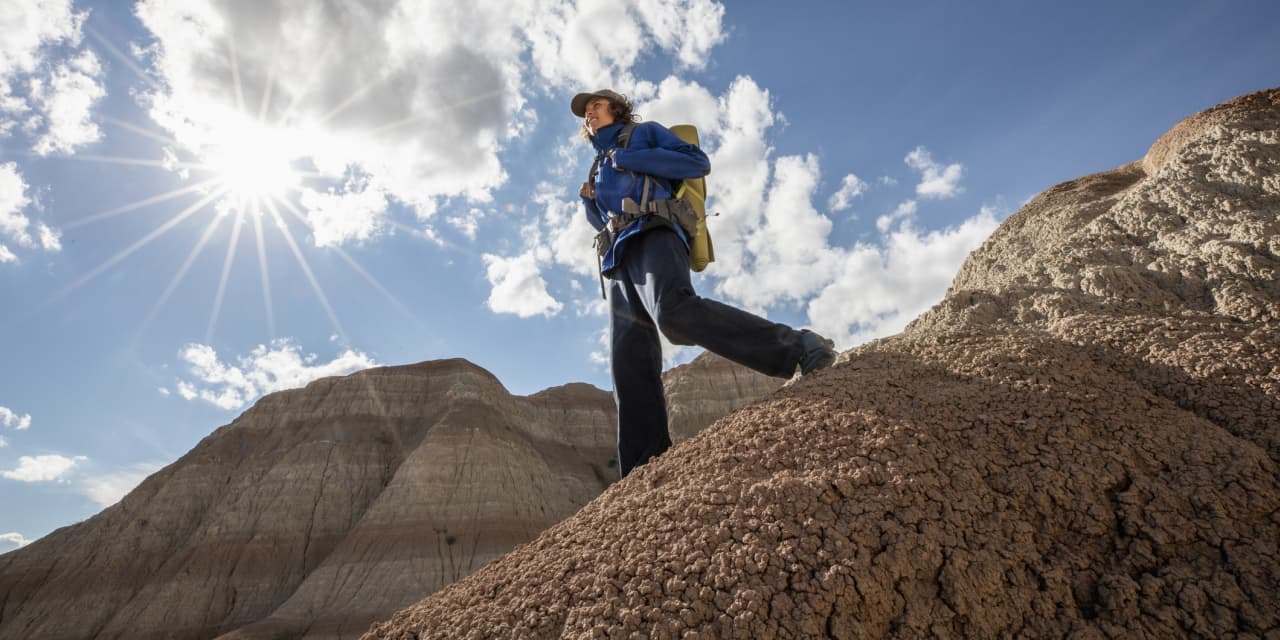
1082 439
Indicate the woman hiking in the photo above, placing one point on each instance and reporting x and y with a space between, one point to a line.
645 258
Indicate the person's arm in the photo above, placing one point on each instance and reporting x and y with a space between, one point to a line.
670 157
594 216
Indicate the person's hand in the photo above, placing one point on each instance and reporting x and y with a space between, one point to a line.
587 191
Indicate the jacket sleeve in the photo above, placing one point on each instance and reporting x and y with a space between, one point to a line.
669 157
593 213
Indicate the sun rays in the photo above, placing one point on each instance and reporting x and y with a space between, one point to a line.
247 170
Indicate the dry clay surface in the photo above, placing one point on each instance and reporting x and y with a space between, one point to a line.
1080 441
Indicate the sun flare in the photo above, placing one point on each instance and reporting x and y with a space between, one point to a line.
253 164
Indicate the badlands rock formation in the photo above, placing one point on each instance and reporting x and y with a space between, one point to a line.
1082 440
323 509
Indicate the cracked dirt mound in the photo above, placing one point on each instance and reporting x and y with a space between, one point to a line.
1081 440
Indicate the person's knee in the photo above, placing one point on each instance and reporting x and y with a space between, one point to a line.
676 316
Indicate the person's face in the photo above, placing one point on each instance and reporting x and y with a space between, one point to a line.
598 115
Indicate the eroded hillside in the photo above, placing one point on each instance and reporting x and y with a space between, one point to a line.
1080 440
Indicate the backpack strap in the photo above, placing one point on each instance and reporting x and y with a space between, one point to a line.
624 138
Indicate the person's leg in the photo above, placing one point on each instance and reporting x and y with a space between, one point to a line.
636 364
660 271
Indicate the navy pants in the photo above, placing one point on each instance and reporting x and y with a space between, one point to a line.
650 291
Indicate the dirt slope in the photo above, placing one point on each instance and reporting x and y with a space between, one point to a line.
1082 439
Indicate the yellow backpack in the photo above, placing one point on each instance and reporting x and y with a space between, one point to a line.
694 190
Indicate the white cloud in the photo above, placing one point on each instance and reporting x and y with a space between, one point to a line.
14 223
58 97
788 257
936 181
740 171
13 540
880 288
691 29
567 232
108 489
420 96
13 199
46 468
14 420
851 187
50 238
518 286
3 442
354 214
680 102
66 99
266 369
905 210
28 26
569 49
467 223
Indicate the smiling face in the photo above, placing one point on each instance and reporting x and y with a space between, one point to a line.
598 114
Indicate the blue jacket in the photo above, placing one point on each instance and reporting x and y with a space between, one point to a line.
654 151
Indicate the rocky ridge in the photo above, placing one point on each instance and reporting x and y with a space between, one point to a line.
1080 440
323 509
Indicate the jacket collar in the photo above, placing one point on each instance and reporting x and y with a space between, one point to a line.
607 137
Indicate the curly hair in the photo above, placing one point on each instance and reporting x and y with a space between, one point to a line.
621 112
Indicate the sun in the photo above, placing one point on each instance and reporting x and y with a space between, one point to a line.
252 163
250 173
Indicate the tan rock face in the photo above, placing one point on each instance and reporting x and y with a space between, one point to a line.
321 510
1081 440
707 389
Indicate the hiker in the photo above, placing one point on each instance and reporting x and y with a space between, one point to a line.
645 257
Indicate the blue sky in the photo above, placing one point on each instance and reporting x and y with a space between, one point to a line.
202 202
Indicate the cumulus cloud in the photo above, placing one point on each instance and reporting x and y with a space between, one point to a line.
879 288
420 97
905 210
787 256
15 225
851 187
13 540
46 468
936 180
518 286
268 368
13 420
108 489
66 99
51 101
569 50
31 25
355 213
13 199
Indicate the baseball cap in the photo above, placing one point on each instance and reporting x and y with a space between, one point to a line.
579 103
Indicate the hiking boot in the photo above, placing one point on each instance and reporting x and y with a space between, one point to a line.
819 352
